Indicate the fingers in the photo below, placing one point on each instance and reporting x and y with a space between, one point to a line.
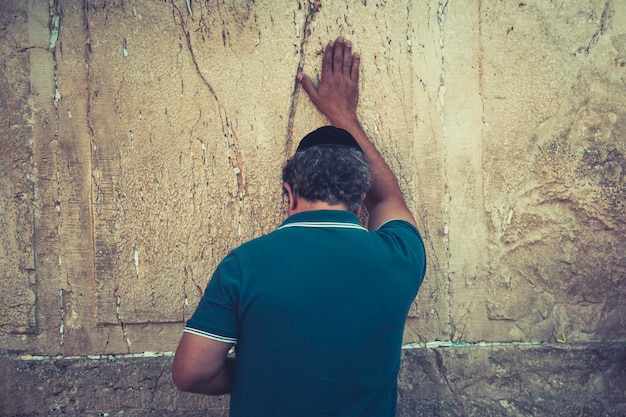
347 59
338 53
327 62
307 85
338 60
356 62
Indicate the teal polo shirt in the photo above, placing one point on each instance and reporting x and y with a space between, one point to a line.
317 309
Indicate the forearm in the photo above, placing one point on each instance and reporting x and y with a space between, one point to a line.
384 182
217 385
337 98
192 375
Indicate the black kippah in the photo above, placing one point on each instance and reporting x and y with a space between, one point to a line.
328 136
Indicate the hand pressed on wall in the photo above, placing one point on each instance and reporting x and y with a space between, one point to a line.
337 94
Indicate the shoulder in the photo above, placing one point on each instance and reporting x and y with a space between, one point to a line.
399 226
258 250
404 238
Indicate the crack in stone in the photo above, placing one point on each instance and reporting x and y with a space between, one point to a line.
118 304
189 277
236 161
442 370
93 184
312 9
441 20
185 294
607 15
54 24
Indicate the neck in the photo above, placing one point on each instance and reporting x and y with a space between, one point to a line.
306 205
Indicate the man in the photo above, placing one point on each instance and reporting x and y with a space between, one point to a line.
316 308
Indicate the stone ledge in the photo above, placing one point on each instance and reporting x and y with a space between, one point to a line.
539 380
556 380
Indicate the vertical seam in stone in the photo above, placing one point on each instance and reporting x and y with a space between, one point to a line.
92 183
312 9
54 25
441 20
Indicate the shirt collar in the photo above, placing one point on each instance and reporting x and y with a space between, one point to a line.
323 218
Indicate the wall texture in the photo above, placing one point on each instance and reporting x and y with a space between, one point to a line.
143 139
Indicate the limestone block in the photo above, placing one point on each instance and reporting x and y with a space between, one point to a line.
553 159
99 387
144 140
182 170
512 381
17 188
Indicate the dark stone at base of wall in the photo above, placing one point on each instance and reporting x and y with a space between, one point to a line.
507 380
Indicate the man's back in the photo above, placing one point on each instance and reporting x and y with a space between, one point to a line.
317 308
320 309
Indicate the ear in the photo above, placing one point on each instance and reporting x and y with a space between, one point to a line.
358 211
292 201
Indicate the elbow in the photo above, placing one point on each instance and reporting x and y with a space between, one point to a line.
190 381
182 381
185 376
201 371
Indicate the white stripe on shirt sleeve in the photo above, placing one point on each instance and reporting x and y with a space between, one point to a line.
208 335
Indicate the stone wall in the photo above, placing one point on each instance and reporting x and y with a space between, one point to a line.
489 380
143 139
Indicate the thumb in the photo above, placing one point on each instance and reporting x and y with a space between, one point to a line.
307 84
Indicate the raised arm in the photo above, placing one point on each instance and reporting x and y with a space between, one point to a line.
337 97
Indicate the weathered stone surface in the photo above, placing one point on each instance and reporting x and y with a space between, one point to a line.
510 380
95 387
539 380
17 178
151 139
556 201
142 140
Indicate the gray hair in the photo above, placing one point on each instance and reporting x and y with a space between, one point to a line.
330 174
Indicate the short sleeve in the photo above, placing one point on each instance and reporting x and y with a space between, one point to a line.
216 316
407 242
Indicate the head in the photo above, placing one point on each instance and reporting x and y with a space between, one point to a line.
329 167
